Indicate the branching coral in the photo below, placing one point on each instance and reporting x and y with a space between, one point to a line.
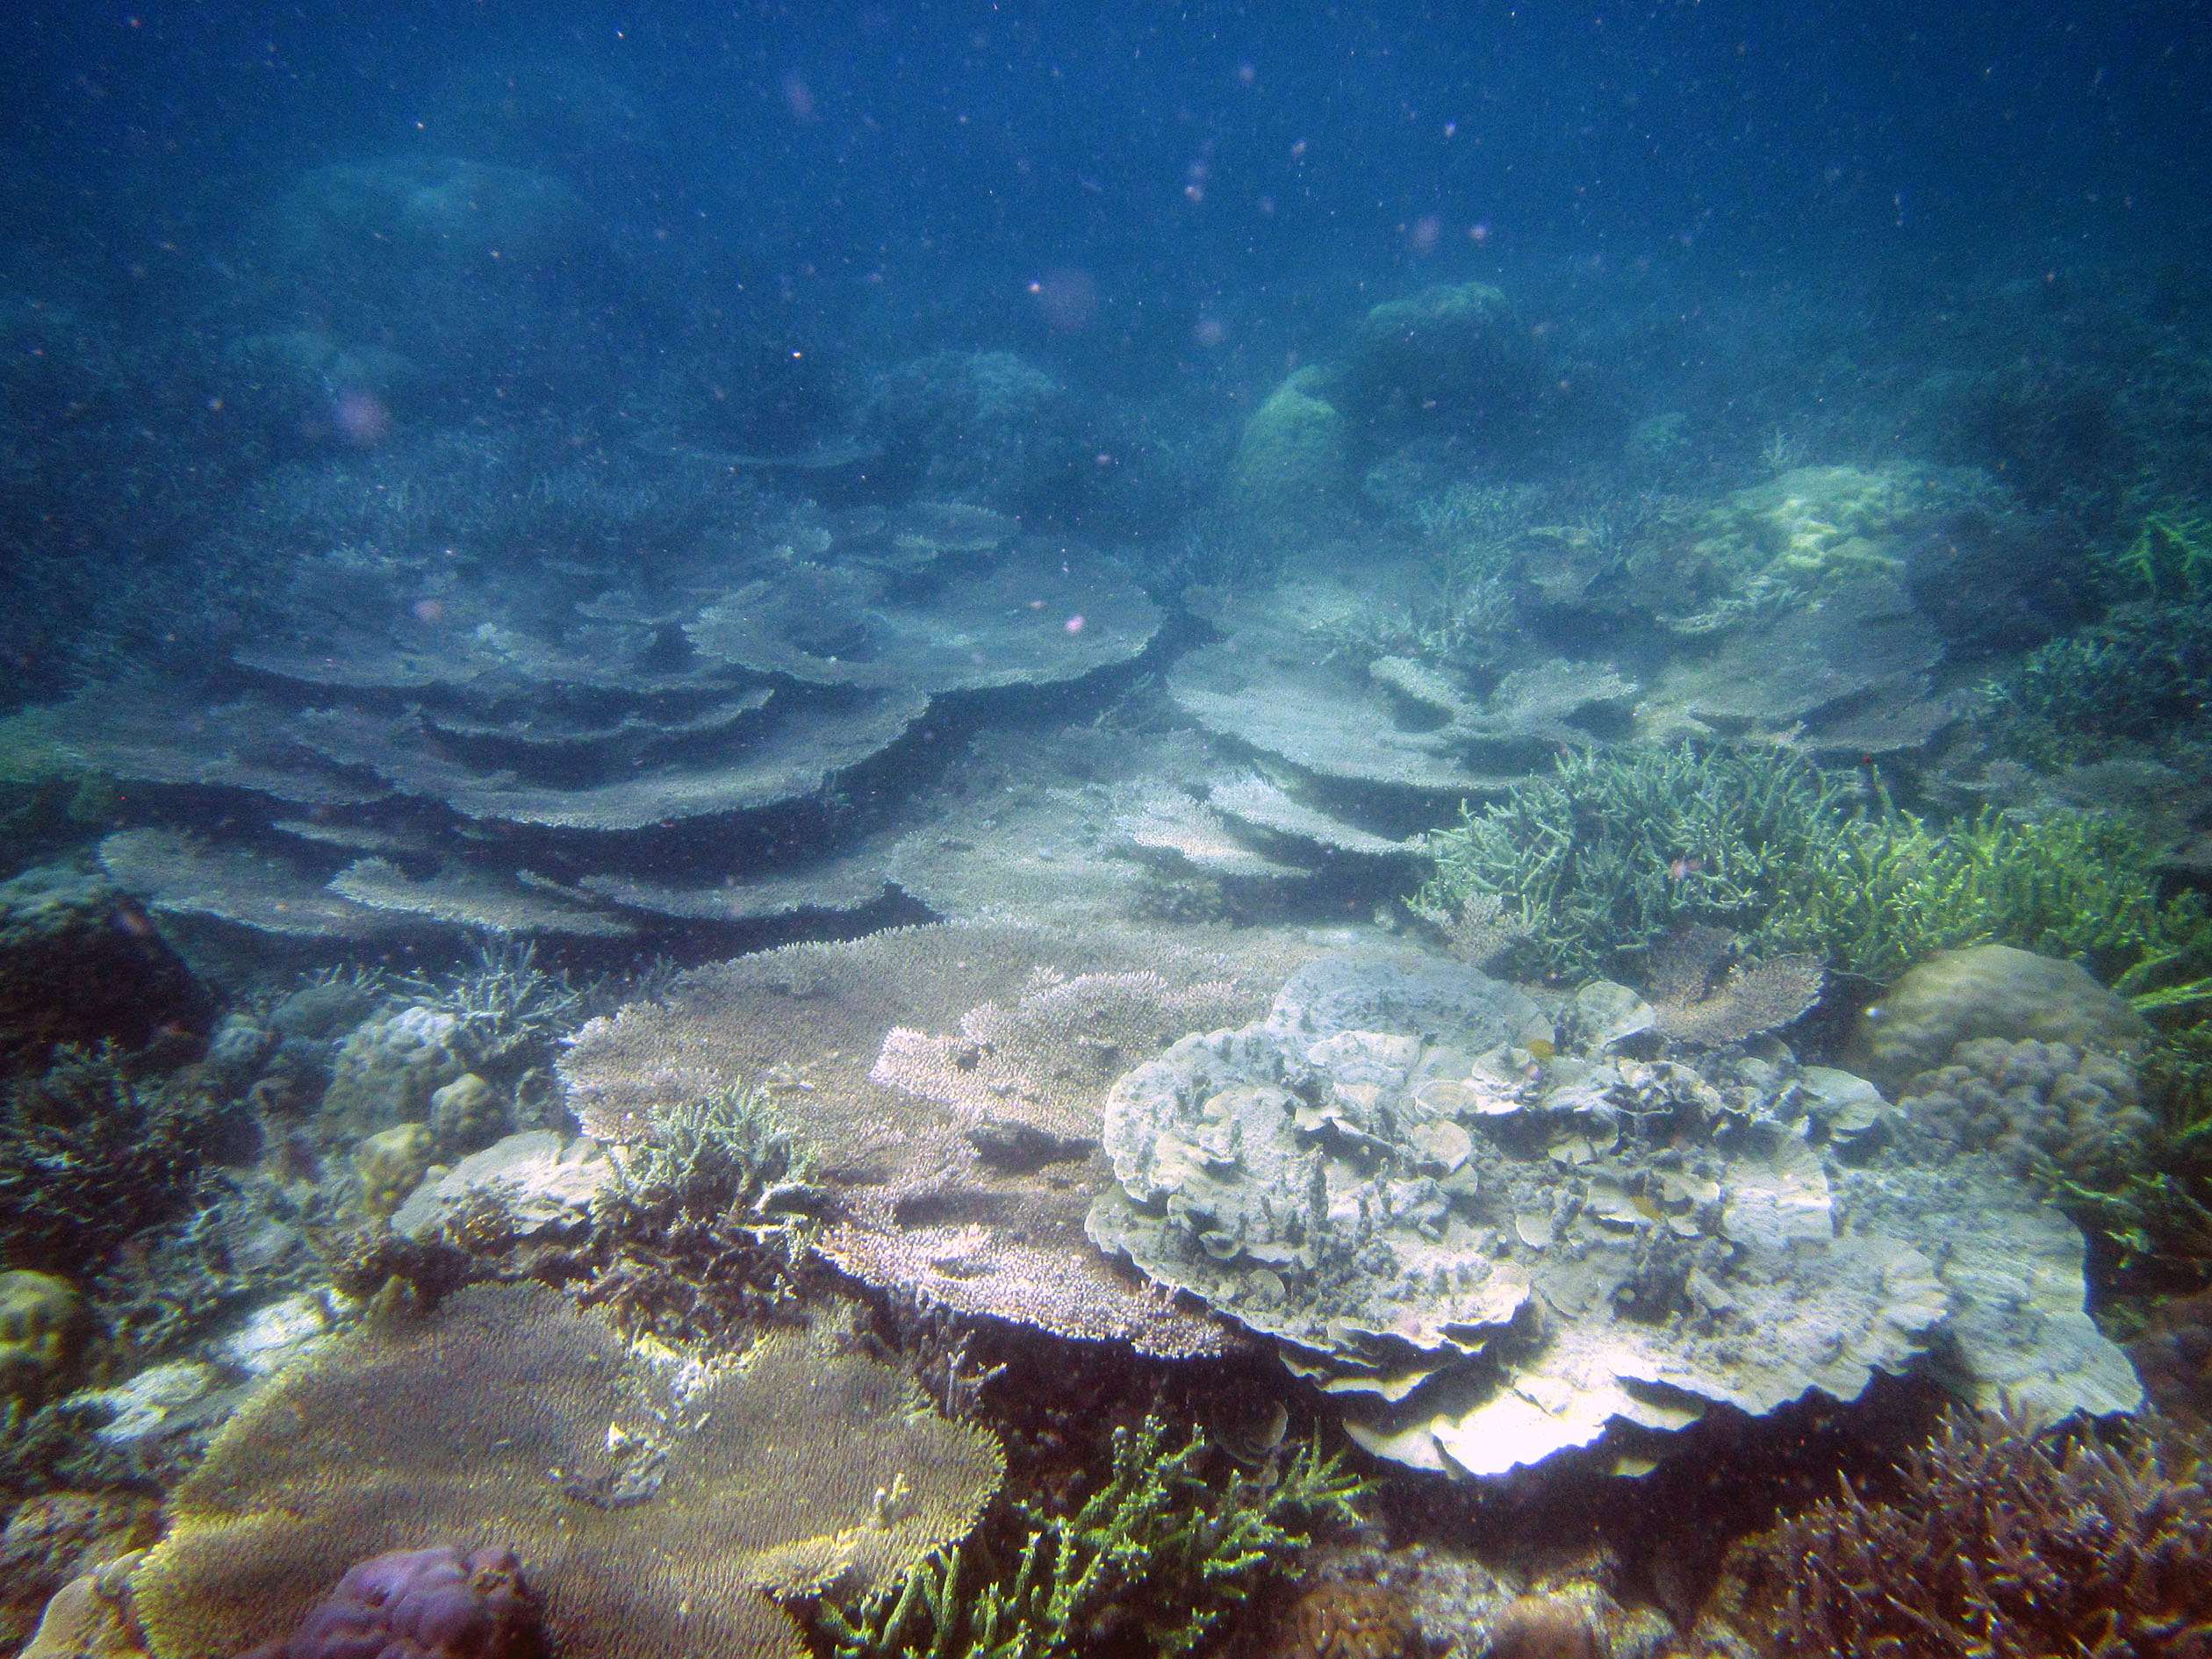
88 1156
505 1002
1613 849
1998 1545
707 1221
1882 892
1161 1555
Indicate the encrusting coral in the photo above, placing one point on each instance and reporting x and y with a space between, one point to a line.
1998 1544
1155 1560
654 1507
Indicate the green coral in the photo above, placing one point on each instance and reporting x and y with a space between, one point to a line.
2135 675
1887 891
2170 559
1612 850
1153 1562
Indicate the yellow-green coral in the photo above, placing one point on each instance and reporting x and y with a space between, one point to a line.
1161 1554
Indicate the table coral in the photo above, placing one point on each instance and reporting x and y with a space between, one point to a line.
653 1520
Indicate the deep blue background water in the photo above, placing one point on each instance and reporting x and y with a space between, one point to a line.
1208 168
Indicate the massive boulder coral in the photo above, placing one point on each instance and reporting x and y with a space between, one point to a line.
1492 1254
1993 990
653 1516
438 1602
79 964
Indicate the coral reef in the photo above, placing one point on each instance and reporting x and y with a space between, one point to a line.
703 1224
944 1083
1995 1541
389 1163
388 1067
655 1507
2173 1356
1362 717
1543 1627
93 1616
1887 890
1158 1557
1487 1258
436 1602
984 427
89 1156
1344 1619
1291 474
1605 855
1450 357
59 1536
2143 673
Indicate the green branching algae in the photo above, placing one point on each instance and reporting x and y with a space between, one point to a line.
1157 1558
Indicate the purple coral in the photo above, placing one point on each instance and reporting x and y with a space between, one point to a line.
422 1603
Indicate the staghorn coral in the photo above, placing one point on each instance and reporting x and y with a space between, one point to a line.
503 1001
653 1513
423 1604
1604 856
1157 1558
1887 890
1996 1543
705 1223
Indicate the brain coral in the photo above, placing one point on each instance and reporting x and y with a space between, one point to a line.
652 1522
